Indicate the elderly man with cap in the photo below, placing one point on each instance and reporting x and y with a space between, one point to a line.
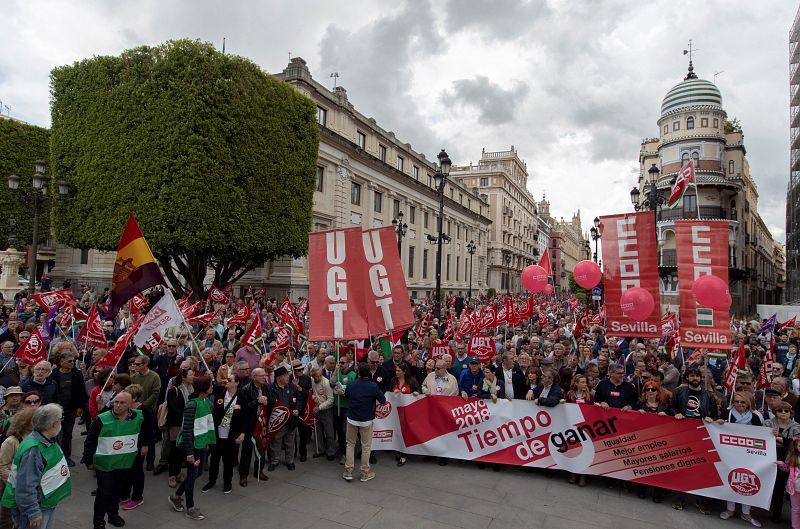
470 381
13 398
284 392
39 478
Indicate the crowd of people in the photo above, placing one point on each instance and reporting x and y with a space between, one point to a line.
200 399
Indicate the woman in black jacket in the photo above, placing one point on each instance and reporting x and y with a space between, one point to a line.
229 424
177 395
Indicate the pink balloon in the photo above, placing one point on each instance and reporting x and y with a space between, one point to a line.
711 292
548 289
587 274
534 278
637 303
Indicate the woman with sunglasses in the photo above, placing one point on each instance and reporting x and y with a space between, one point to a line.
742 413
784 428
32 399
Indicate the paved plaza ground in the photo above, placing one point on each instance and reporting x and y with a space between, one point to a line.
420 495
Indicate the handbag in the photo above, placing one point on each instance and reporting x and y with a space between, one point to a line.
162 412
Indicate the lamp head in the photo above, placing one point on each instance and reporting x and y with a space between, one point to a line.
444 162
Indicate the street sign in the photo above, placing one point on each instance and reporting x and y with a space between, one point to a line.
596 294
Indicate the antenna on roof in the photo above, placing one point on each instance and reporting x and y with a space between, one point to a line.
716 74
335 76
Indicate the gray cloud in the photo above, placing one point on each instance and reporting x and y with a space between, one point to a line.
495 105
499 19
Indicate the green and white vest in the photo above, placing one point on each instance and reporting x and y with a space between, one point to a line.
118 442
203 425
55 482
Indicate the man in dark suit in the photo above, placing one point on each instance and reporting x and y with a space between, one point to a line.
511 377
378 373
548 393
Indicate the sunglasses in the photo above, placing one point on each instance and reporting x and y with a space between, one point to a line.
651 390
782 410
32 402
374 362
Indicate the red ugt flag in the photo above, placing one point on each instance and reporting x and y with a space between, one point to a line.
737 364
92 332
32 351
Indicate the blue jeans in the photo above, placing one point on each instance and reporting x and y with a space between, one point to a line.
21 520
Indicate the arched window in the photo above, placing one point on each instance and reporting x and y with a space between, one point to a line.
730 167
696 159
690 122
684 159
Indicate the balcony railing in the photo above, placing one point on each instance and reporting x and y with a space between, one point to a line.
706 212
668 258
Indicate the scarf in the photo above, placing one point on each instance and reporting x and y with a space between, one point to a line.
742 418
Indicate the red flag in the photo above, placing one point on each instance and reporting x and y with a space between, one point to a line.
216 295
790 323
249 293
733 371
203 319
287 317
544 262
92 332
241 317
309 416
448 328
765 374
72 312
184 301
465 326
302 308
423 324
48 300
112 356
191 310
32 351
684 179
254 333
261 292
137 303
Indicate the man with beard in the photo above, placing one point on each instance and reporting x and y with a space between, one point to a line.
694 402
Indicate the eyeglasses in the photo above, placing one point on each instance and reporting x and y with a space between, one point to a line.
782 410
171 346
374 362
651 390
32 402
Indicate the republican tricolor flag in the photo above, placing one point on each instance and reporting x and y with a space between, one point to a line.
135 268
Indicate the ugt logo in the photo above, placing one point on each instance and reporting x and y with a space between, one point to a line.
383 410
744 482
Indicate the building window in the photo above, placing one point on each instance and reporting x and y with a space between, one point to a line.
684 159
396 208
425 219
689 203
84 257
412 214
447 273
425 263
415 172
377 203
666 129
676 125
320 178
322 116
461 198
448 227
458 231
696 159
361 138
355 194
731 166
690 122
469 204
400 163
704 122
555 243
458 266
410 261
484 182
716 123
382 152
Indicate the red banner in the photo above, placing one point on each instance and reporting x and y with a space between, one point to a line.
630 260
387 302
438 351
702 249
32 351
337 285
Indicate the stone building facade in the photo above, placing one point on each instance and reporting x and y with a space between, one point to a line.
694 127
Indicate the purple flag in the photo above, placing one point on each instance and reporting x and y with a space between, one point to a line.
48 330
770 324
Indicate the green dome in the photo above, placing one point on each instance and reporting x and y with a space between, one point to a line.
692 92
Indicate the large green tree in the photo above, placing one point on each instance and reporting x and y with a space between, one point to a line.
215 157
20 146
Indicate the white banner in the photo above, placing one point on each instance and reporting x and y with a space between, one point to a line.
729 461
163 315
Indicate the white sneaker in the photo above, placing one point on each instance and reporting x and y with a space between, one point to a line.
753 521
726 515
367 477
347 477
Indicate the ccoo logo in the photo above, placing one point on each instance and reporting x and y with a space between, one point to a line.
383 410
744 482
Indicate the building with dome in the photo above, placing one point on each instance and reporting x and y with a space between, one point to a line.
693 126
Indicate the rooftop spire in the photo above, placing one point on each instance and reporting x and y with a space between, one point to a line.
689 52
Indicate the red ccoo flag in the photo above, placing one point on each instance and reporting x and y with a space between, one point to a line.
737 363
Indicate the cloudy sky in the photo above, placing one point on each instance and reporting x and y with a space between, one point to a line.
574 85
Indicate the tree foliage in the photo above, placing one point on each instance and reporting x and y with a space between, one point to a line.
20 146
215 157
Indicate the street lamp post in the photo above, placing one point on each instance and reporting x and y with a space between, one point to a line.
508 273
400 229
595 231
471 251
653 200
36 198
440 178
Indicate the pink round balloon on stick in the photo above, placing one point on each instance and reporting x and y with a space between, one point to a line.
711 292
534 278
548 289
637 303
587 274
